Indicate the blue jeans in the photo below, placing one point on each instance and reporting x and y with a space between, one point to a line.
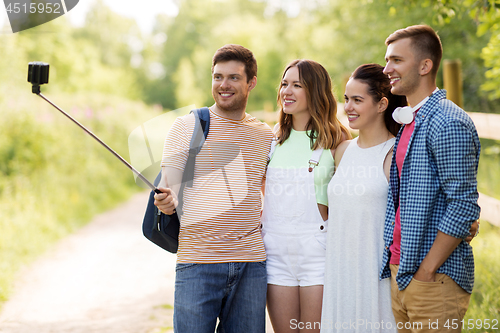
233 292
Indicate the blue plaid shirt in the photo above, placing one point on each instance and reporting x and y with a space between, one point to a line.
437 191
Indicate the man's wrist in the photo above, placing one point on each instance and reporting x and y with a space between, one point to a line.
427 268
425 274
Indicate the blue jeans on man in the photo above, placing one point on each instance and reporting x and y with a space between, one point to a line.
234 292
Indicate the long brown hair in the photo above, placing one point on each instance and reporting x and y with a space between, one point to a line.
325 129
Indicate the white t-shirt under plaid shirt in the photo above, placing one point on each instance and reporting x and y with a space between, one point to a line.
221 211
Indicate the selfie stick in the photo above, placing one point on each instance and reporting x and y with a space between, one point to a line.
38 73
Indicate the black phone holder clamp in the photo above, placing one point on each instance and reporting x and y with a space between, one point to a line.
38 74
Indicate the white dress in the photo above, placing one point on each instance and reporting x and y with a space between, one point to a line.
354 300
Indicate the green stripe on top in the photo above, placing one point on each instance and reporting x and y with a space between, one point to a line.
296 152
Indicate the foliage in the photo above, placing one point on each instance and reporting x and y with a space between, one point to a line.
53 177
485 299
491 55
487 13
488 178
95 57
171 65
194 36
339 35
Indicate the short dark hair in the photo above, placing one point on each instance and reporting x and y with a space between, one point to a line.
425 42
239 53
379 86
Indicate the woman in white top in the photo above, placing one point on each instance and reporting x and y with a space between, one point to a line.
294 218
354 299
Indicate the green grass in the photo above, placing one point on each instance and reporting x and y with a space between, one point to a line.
162 317
485 299
54 177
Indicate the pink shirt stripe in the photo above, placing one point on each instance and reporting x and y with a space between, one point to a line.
400 157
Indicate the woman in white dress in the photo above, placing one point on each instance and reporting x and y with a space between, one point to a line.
354 299
294 218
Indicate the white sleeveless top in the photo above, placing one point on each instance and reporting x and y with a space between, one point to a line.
357 199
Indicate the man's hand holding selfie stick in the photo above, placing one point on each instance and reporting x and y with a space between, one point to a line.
166 201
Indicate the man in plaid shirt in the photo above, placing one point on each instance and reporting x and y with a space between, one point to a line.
433 191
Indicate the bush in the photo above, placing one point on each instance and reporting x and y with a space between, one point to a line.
53 177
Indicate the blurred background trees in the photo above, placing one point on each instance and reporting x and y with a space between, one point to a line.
112 76
171 65
340 35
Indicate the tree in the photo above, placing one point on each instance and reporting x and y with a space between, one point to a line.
187 91
340 35
107 43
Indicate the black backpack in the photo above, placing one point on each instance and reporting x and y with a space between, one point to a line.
162 229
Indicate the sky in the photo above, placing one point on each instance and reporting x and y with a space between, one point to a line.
142 11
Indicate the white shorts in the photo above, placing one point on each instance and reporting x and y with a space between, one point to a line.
295 260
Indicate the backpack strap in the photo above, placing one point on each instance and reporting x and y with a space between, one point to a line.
315 157
202 125
200 133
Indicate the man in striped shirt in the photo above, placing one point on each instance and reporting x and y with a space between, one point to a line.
221 262
433 192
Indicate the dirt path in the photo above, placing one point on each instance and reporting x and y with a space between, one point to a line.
105 278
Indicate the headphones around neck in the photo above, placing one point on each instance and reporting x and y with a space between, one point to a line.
406 114
403 115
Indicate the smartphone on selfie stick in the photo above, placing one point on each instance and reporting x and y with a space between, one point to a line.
38 74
